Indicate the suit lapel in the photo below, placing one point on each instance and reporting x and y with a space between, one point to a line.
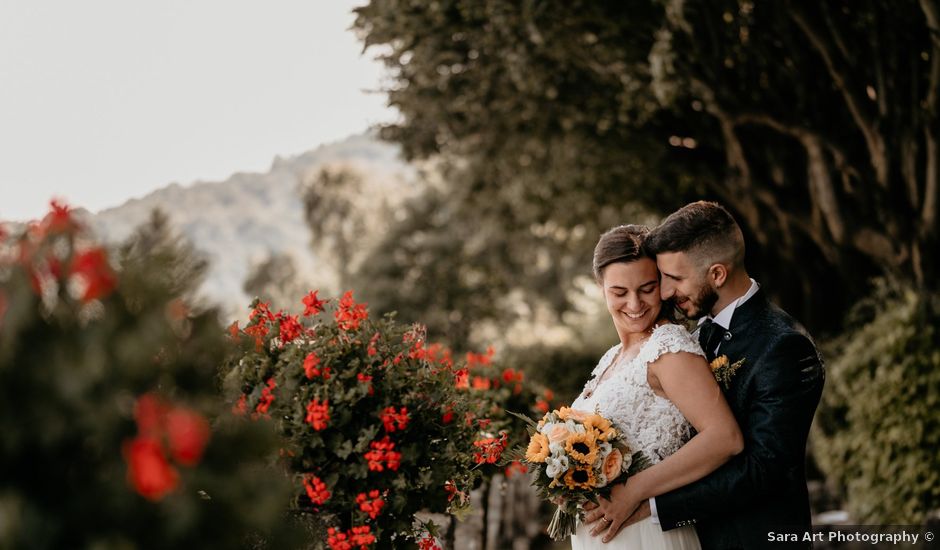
737 342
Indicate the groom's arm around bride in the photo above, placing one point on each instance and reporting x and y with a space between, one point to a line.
773 389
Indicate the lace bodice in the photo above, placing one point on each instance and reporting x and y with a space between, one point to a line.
650 423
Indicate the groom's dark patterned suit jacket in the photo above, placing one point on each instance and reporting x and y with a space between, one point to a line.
773 395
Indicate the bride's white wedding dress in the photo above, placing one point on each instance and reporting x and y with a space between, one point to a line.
649 423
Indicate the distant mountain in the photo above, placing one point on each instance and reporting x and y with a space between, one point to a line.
244 219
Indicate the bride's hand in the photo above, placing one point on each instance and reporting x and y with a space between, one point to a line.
614 512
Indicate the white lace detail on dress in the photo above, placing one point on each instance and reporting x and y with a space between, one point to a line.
650 423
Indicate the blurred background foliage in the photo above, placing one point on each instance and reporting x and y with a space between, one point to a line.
82 339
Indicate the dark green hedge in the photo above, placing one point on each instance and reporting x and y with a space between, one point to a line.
877 433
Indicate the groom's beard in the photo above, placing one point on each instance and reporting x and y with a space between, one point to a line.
703 303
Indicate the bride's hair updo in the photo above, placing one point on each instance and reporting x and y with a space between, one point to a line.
624 243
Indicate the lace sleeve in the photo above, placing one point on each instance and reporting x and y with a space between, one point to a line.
670 338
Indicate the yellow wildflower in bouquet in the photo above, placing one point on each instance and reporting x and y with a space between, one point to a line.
576 457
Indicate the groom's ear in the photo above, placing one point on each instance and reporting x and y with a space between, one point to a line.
717 274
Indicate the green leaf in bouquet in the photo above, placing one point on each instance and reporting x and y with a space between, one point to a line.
516 454
639 463
525 418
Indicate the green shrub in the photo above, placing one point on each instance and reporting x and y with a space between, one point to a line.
878 428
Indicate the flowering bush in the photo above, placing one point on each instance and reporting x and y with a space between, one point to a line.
107 415
373 423
494 392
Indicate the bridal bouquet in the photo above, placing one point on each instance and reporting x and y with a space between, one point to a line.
576 457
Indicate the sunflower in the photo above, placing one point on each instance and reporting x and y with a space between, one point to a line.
580 477
582 447
719 363
538 449
601 426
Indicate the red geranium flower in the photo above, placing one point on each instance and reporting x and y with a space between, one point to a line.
267 397
371 504
371 351
318 414
451 488
290 328
92 269
233 332
462 379
350 314
316 489
263 311
147 468
362 536
448 415
337 540
480 359
491 449
188 433
310 365
258 332
312 305
241 408
392 420
481 383
383 451
59 219
515 467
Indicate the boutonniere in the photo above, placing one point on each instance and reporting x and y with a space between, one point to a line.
724 369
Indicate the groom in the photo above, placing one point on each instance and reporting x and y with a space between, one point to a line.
773 392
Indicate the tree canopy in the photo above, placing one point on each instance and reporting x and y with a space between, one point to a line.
814 123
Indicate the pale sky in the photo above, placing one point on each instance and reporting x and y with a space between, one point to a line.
104 100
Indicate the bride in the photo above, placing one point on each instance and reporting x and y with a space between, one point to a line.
656 386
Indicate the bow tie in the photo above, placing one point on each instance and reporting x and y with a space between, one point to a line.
709 336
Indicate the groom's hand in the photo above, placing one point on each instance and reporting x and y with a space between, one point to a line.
641 513
616 525
614 513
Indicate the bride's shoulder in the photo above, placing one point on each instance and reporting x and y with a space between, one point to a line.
672 338
668 329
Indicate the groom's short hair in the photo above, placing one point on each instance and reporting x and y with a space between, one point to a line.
703 230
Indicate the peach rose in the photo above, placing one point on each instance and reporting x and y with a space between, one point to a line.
578 416
612 465
558 432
